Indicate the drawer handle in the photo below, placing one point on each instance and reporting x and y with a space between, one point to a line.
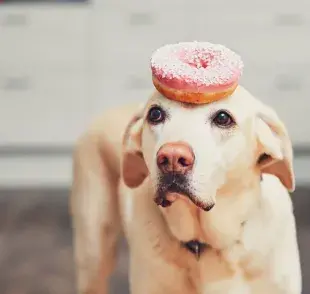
291 19
141 19
16 84
286 83
15 20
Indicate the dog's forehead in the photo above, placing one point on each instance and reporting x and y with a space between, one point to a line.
241 104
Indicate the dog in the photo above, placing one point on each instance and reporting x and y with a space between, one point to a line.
201 193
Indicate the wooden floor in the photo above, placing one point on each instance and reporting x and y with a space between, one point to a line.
36 243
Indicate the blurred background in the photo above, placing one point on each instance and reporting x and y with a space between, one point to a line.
64 62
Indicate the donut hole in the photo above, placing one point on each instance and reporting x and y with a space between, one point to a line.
199 63
197 59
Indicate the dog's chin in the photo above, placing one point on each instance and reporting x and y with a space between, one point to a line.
173 196
166 199
169 197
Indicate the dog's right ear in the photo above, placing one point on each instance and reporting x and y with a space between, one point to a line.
276 152
134 169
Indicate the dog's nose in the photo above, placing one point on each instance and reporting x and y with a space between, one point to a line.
175 157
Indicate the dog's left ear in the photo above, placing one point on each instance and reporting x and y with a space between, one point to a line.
275 148
133 167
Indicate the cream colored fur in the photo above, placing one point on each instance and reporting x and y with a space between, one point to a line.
251 228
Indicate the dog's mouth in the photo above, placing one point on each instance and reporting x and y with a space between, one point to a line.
167 194
171 186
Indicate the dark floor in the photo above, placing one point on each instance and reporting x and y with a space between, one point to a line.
36 245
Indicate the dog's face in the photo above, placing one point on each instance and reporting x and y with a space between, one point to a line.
194 150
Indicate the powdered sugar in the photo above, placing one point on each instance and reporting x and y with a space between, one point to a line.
197 63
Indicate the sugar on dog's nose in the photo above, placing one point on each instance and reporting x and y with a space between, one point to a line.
175 157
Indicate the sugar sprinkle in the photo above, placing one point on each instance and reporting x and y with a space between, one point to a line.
202 63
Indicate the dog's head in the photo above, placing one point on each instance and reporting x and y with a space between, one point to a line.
195 150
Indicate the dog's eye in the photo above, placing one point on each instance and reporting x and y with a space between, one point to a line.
223 119
156 115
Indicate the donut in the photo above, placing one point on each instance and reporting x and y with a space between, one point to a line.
195 72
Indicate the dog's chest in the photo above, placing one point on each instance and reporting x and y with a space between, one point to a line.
234 271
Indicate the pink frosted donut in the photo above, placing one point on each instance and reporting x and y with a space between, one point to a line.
196 72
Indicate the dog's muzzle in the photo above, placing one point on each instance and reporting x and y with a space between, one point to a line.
171 183
175 162
177 184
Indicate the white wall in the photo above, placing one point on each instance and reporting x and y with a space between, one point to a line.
60 65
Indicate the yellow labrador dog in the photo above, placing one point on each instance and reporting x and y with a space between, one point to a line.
201 193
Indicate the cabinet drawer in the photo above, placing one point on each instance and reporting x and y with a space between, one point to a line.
136 33
38 108
273 47
141 5
49 19
240 8
40 37
39 53
285 87
250 26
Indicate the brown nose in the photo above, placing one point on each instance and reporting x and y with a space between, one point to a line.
175 157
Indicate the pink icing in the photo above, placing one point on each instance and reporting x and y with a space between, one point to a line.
196 66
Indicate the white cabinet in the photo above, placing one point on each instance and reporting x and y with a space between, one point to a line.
44 81
63 64
43 36
67 63
49 108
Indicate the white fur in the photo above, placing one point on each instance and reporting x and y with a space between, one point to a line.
251 228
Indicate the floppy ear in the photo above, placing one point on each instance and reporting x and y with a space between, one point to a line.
134 169
275 147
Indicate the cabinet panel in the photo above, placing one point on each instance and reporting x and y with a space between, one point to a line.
38 108
40 37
